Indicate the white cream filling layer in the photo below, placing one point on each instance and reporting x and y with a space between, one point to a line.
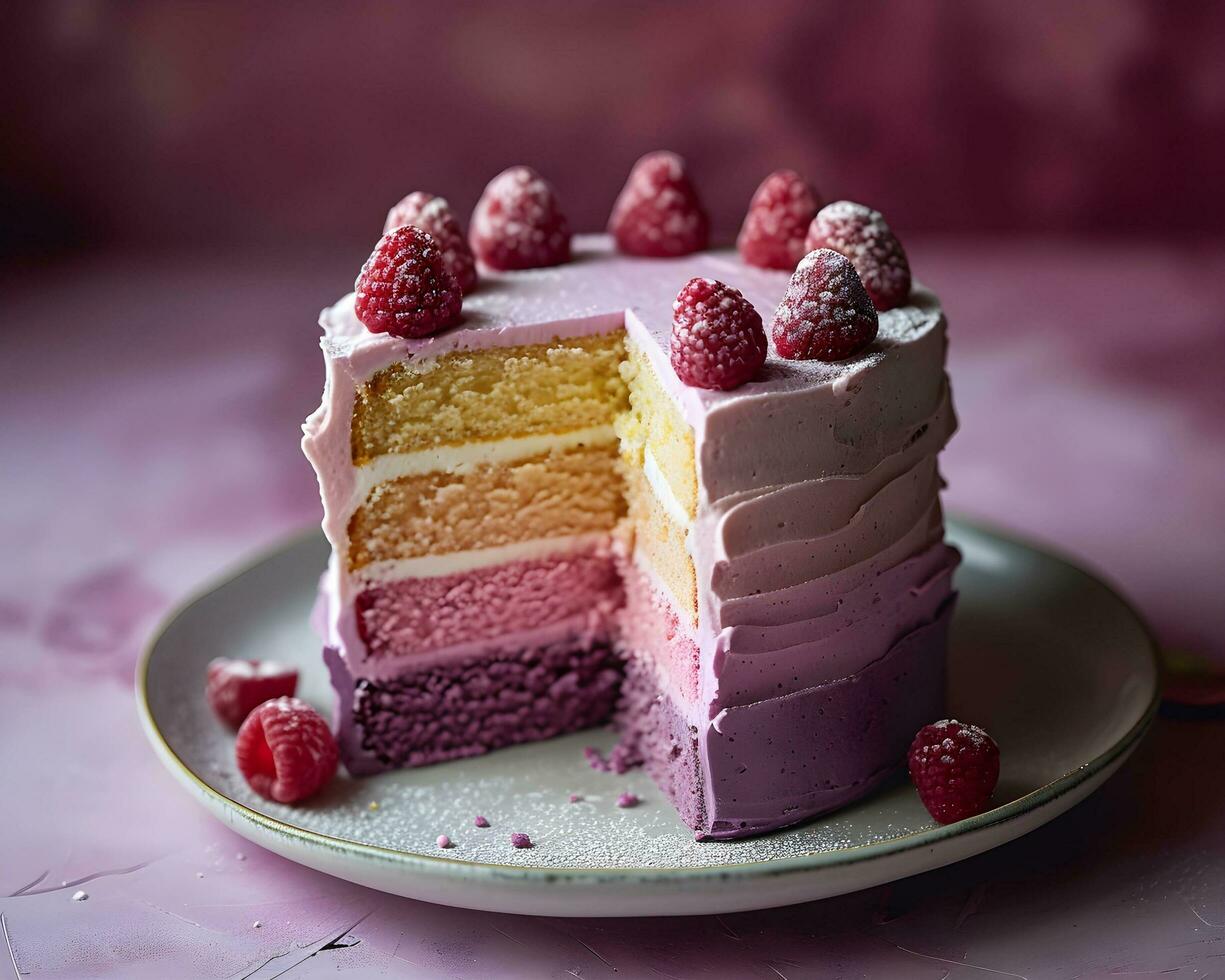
663 491
462 459
435 566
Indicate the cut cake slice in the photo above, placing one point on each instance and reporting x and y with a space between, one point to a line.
534 521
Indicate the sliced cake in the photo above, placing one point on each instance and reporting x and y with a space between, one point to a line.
538 525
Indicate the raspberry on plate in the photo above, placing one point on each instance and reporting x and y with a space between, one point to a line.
658 213
518 223
404 288
776 224
826 314
954 767
285 750
434 216
235 687
717 340
864 237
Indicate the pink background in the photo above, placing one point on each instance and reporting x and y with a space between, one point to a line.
180 124
183 187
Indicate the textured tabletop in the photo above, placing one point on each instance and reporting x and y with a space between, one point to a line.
150 439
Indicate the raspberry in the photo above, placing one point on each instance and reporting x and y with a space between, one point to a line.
826 314
657 213
955 768
518 223
285 750
628 800
520 840
404 288
717 340
864 237
434 216
235 687
777 221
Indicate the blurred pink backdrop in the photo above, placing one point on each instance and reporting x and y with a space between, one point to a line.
184 185
169 123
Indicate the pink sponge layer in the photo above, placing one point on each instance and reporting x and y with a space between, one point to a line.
649 622
417 615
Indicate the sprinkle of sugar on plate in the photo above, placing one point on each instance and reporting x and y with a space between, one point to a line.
80 896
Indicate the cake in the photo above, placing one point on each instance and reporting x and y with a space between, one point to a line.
538 527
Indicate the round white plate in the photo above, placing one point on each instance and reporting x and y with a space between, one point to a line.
1048 659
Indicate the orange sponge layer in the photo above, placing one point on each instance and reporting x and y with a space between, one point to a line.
489 505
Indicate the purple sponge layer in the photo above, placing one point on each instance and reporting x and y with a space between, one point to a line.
467 707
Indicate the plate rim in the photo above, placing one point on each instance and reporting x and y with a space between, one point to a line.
769 867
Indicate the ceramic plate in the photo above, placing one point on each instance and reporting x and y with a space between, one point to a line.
1051 661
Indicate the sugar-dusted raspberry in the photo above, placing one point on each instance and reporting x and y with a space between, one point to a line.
404 288
285 750
434 216
658 213
772 236
518 223
235 687
628 800
954 767
717 341
864 237
444 841
520 840
480 821
826 314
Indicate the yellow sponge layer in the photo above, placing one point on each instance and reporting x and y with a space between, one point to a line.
653 423
492 504
480 396
660 542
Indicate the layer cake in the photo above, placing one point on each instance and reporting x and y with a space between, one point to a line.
537 527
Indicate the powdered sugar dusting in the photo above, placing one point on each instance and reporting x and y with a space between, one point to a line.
434 215
717 341
658 213
518 223
527 790
774 229
826 313
405 289
864 237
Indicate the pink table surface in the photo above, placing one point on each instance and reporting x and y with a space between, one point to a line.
150 418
